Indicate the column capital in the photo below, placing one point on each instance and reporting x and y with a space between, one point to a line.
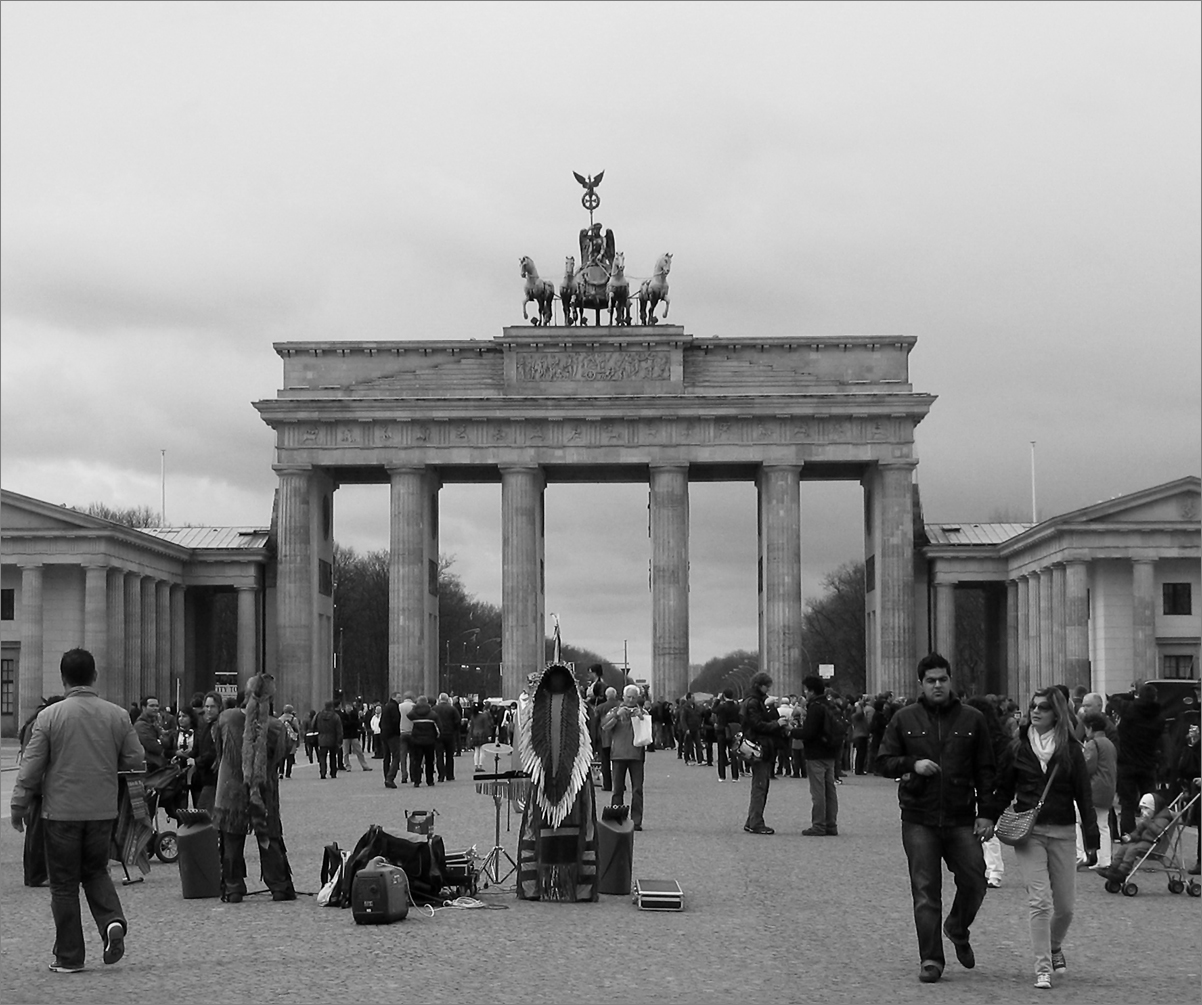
669 466
292 469
31 565
898 462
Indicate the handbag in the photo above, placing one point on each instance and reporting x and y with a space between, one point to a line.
1014 827
747 749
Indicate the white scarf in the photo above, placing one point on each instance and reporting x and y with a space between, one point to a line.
1042 746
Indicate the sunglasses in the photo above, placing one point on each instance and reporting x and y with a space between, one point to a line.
1042 706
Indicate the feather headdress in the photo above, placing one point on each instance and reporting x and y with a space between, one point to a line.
554 747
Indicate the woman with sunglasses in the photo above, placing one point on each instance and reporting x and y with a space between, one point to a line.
1047 859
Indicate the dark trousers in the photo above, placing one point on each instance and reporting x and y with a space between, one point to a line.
328 756
824 797
1132 784
607 774
726 756
635 770
419 755
926 848
708 744
392 757
761 779
273 862
77 854
287 764
860 745
445 758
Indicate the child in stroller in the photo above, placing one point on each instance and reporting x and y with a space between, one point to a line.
1156 839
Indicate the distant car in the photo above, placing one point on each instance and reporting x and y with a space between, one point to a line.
1177 698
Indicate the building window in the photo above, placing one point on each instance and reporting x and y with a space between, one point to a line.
1177 599
325 578
1179 667
8 683
7 605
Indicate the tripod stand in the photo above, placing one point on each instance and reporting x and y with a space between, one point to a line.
498 784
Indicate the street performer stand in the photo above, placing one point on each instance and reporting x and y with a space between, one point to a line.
557 843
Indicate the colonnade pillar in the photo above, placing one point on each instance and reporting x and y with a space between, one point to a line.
248 635
1059 664
523 584
781 645
1022 680
1143 619
295 585
114 686
31 669
96 623
1010 685
133 637
945 622
1034 653
669 502
895 577
150 640
162 624
1076 625
413 582
1047 675
176 609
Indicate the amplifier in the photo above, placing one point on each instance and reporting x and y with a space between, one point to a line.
379 894
658 895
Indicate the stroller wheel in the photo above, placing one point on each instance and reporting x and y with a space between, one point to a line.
1176 886
1194 889
1112 886
1130 889
166 847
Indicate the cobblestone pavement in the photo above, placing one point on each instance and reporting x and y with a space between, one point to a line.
783 918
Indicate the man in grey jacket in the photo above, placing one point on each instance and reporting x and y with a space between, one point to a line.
75 750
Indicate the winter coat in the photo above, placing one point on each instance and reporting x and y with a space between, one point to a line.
447 716
616 726
1139 732
761 724
1101 763
329 728
425 728
956 737
813 731
231 806
1022 779
390 719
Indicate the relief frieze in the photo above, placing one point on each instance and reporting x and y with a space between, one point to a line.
549 367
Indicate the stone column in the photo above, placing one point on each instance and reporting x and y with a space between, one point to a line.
523 631
178 663
1076 625
670 580
162 621
1143 619
1047 673
133 637
96 623
114 687
1010 684
1035 681
1022 681
248 636
895 576
945 622
1059 665
408 581
150 640
31 669
295 615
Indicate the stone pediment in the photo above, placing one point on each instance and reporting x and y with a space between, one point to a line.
1173 502
23 513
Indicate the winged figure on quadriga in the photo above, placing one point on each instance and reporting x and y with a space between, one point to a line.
541 291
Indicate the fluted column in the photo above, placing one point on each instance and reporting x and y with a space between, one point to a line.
133 637
178 666
31 670
1143 618
895 575
523 631
295 615
670 580
1010 684
1076 628
248 636
96 623
114 688
150 640
1035 681
945 622
1047 675
1022 682
162 622
1059 663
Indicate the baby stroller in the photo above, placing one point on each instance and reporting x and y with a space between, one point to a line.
1164 856
166 788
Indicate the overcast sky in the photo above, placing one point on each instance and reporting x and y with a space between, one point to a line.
1016 184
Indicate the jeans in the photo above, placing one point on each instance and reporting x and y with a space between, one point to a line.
445 758
1048 863
824 813
959 848
860 746
392 757
349 747
761 778
403 757
417 756
726 755
635 769
328 755
77 853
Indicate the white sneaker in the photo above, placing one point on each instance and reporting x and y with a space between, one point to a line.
1043 982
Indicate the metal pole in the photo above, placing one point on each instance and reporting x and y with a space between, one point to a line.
1034 509
163 486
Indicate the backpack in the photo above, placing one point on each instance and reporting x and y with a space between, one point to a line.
834 726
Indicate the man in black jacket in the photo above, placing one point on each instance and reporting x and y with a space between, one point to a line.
821 758
941 752
1139 731
390 739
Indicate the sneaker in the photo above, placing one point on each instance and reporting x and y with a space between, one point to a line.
813 832
61 968
1043 982
762 829
930 972
389 785
993 883
114 942
1059 963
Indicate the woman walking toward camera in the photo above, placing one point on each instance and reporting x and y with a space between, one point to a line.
1047 860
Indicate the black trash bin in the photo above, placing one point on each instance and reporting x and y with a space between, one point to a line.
199 857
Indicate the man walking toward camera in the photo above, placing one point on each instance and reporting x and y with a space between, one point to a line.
821 755
941 752
74 752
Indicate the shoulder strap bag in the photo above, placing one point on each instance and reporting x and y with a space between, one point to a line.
1013 827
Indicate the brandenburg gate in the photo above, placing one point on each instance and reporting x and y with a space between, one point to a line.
547 404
